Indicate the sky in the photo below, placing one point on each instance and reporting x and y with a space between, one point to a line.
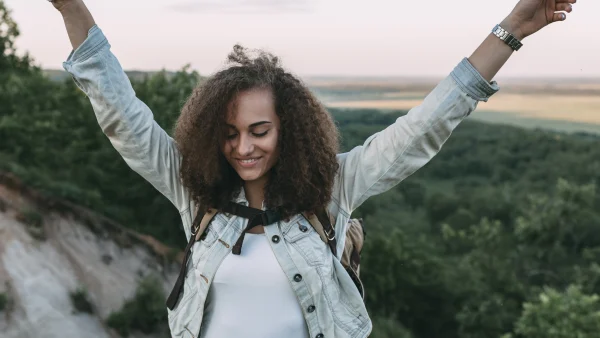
316 37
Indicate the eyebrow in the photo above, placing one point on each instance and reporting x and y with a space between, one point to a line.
255 124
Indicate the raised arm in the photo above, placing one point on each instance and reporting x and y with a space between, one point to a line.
528 17
395 153
125 120
78 19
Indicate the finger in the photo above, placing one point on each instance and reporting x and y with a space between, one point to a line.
566 1
559 17
566 7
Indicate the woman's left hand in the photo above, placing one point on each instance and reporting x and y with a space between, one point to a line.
529 16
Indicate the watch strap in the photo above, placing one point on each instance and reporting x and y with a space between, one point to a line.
507 37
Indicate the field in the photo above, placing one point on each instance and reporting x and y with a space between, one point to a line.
569 105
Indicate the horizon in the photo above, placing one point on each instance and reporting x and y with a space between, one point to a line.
426 79
345 38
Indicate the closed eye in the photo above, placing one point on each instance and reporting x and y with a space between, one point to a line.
261 134
231 136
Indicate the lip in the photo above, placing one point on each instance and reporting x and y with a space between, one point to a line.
251 164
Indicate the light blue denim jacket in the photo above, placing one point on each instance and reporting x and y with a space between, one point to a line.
385 159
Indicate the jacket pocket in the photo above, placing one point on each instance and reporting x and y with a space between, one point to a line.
308 243
348 309
202 246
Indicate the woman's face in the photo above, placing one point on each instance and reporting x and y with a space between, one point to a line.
252 132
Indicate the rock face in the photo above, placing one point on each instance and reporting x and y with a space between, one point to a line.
47 254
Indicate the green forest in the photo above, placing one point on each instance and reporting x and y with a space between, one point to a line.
498 236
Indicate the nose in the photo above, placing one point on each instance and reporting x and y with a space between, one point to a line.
245 145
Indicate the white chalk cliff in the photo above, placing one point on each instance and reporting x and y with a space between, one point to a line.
71 248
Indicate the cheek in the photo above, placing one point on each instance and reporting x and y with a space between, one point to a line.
271 144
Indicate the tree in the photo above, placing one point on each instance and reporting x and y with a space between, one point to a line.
414 193
9 32
568 314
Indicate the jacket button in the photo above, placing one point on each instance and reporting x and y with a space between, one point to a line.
311 309
275 239
320 335
298 278
303 228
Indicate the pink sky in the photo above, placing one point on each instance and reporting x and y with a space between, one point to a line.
316 37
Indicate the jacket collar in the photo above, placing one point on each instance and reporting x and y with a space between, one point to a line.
241 199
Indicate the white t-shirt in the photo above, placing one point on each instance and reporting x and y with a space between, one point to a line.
251 297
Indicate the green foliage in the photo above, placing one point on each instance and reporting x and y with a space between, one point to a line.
80 301
414 193
32 217
3 301
389 328
569 314
9 32
34 221
145 312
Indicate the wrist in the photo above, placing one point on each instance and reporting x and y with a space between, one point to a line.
68 7
513 26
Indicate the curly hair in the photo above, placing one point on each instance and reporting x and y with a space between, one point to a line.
302 178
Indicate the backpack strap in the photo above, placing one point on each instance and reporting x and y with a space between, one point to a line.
354 243
321 222
206 219
255 217
199 225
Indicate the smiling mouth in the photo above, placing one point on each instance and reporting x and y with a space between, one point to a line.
248 162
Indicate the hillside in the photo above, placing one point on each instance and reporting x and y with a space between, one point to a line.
50 249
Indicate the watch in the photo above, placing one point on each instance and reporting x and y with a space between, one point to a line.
508 38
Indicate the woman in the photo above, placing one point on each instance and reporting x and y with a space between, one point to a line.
254 135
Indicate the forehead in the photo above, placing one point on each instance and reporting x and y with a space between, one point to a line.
252 106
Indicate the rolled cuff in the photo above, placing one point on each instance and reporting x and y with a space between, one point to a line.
472 83
94 42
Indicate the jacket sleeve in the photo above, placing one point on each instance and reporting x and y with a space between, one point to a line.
388 157
125 120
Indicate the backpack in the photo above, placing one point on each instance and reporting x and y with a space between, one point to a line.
321 222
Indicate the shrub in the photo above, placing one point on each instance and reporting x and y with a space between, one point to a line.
145 312
34 221
80 301
3 301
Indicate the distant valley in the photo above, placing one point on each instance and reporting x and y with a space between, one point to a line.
564 104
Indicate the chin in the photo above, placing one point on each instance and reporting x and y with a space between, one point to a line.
249 177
